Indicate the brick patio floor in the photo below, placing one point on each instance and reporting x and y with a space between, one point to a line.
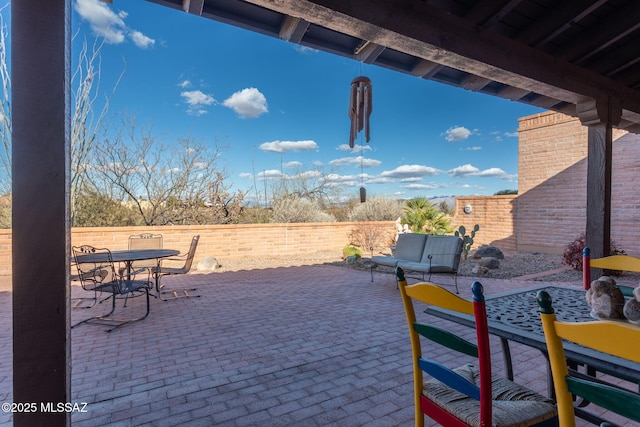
293 346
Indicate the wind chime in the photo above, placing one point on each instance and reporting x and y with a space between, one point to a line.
360 107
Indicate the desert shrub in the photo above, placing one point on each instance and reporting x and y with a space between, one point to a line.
295 209
369 235
572 255
376 208
351 250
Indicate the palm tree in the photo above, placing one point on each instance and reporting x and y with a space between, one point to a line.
425 217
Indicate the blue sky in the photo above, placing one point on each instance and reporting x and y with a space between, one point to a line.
281 109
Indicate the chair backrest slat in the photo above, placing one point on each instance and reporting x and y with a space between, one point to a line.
446 339
449 377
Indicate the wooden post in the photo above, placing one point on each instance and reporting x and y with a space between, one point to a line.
599 116
40 36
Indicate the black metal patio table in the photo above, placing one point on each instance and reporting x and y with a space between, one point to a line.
514 316
129 256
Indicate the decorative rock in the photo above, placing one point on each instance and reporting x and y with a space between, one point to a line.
208 264
489 251
490 263
351 259
605 299
479 270
632 311
631 308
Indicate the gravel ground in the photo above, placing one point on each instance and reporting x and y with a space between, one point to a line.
514 264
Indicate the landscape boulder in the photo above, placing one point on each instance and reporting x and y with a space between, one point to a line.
490 262
479 270
489 251
208 264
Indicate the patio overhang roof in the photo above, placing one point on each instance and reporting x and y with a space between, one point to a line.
566 56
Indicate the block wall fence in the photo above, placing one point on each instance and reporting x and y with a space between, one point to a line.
221 241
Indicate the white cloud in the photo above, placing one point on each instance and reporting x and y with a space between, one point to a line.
355 149
108 24
245 175
284 146
422 186
408 171
141 40
358 161
511 134
247 103
304 49
464 170
184 84
292 164
457 133
475 148
470 170
196 100
271 174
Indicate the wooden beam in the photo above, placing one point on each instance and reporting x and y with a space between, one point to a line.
368 52
194 7
40 36
293 29
513 93
426 69
474 83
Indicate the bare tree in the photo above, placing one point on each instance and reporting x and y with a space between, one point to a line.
86 123
179 183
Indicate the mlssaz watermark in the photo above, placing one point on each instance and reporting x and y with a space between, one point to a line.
49 407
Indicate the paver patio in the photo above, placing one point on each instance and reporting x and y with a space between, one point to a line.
293 346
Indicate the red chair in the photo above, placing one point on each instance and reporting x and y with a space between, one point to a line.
467 395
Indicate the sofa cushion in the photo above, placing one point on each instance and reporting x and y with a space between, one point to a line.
410 246
386 260
444 250
424 267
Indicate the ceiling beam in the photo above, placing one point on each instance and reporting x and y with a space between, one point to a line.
426 32
293 29
426 69
474 83
368 52
193 6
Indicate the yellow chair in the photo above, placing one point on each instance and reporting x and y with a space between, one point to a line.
610 263
468 395
616 338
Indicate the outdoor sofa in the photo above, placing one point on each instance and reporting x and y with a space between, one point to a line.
425 254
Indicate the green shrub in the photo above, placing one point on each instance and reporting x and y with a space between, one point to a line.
572 255
351 250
